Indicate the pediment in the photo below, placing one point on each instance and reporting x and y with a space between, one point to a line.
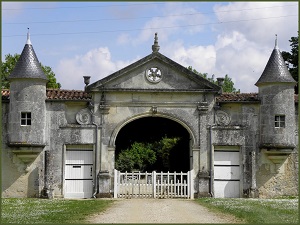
154 72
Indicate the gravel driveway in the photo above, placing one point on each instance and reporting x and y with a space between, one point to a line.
159 211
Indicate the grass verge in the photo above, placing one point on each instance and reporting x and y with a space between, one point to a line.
256 211
42 211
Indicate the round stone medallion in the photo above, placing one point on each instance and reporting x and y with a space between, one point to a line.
153 74
222 118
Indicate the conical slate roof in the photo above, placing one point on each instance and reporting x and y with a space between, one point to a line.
276 70
28 65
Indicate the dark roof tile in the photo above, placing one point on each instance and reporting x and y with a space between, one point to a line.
28 65
276 70
60 94
238 97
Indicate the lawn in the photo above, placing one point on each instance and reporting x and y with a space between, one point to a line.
256 211
42 211
59 211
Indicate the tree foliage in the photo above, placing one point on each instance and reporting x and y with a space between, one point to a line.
9 64
228 85
138 157
163 149
51 78
141 156
291 59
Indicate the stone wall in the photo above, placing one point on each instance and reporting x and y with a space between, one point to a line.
277 178
19 178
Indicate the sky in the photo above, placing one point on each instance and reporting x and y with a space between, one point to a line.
98 38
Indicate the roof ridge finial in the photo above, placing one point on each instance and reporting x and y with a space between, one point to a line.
276 44
28 42
155 46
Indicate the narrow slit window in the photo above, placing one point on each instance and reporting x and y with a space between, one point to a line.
279 121
25 118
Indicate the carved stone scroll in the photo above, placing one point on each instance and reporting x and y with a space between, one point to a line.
222 118
84 116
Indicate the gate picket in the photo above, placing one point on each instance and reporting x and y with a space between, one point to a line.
153 185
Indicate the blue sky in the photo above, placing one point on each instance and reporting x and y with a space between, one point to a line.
98 38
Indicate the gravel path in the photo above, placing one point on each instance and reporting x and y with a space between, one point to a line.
159 211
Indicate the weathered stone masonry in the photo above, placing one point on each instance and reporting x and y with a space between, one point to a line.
42 129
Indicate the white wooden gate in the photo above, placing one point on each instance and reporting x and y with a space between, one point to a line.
153 185
79 172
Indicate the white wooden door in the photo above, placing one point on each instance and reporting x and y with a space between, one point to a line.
226 173
79 173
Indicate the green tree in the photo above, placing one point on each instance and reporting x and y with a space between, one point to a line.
141 156
228 85
291 59
138 156
163 149
9 64
51 78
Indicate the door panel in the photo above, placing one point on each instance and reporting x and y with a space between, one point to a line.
79 174
79 157
227 174
227 158
227 189
78 188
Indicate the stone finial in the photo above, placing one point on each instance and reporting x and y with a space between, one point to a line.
155 46
276 44
86 80
220 81
28 42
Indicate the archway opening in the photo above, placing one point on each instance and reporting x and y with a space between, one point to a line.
152 130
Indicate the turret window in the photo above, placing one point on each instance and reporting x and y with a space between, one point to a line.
279 121
25 118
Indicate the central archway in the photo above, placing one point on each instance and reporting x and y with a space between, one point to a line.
153 129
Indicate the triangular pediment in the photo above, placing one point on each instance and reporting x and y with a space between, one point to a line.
154 72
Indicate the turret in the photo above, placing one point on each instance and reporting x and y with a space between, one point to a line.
27 118
277 110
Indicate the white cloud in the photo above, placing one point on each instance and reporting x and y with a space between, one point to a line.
201 58
233 54
243 48
235 39
241 59
96 63
254 27
168 23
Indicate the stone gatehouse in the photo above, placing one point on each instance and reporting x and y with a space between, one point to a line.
58 143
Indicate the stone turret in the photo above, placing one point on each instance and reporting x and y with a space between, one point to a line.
277 110
27 118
